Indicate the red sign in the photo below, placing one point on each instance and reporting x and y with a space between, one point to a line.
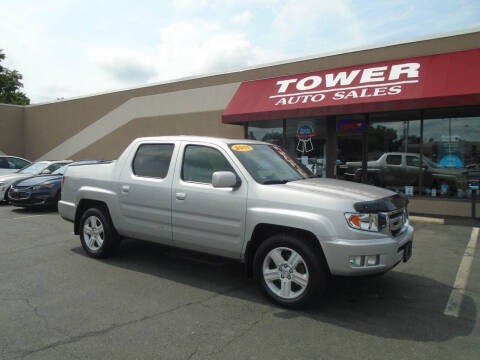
429 81
349 126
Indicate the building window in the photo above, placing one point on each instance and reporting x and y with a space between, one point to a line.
306 141
266 130
451 154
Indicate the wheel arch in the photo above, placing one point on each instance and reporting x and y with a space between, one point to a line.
263 231
83 206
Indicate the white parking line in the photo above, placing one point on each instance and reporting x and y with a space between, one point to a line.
456 296
25 217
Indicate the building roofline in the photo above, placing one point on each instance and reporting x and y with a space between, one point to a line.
13 105
276 63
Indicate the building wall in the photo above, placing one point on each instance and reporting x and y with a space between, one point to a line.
70 117
205 123
12 138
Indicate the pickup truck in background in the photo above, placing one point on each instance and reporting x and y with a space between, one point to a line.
242 199
395 169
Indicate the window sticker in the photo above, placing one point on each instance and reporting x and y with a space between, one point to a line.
242 147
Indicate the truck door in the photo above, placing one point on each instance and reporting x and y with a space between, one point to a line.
145 192
206 218
393 170
413 170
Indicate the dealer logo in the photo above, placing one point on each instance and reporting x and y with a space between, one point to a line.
358 83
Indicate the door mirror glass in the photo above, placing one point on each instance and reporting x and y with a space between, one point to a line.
46 172
224 179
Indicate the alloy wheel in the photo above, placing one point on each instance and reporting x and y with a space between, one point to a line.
93 233
285 272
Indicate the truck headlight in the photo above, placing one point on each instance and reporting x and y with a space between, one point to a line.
368 222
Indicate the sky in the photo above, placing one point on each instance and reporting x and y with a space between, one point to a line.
67 48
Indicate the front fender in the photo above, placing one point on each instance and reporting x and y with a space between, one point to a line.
317 224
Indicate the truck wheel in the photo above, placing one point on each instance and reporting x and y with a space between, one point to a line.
97 235
289 270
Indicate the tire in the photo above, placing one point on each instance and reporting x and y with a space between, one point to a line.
5 197
55 201
97 234
290 286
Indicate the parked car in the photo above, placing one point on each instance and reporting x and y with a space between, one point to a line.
397 169
243 199
41 190
40 167
11 164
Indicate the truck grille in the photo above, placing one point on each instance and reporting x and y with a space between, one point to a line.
396 221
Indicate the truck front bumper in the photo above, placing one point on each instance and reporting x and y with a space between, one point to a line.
388 252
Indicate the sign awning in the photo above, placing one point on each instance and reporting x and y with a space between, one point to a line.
450 79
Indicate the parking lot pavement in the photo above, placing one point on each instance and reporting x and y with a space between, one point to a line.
151 302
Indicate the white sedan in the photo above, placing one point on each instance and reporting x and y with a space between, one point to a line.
11 164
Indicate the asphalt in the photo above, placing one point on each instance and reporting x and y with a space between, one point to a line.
150 302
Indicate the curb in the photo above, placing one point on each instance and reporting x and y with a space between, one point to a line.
426 220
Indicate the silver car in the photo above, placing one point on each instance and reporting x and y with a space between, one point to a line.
242 199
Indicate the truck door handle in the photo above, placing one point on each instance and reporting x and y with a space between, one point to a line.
125 189
180 195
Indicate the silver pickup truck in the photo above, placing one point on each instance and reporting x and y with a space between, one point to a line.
242 199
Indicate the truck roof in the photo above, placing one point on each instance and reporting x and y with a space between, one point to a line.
215 140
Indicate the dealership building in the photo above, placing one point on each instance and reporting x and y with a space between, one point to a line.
403 115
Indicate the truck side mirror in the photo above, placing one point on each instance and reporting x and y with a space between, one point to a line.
224 179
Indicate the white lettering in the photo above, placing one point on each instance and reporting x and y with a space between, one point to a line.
284 84
305 98
315 81
410 69
339 95
394 90
380 91
318 97
341 77
293 100
373 74
364 93
352 94
282 101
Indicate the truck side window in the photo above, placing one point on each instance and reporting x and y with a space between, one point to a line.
413 161
394 159
200 162
152 160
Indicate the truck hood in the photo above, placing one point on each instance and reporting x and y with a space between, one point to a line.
340 189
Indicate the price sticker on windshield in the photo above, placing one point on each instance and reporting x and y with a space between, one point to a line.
242 147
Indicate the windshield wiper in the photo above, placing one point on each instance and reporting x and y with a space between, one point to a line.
271 182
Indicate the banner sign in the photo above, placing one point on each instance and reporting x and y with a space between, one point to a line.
429 81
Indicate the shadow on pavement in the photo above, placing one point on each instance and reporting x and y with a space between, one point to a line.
396 305
34 210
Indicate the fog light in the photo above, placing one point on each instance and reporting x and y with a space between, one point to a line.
373 260
355 260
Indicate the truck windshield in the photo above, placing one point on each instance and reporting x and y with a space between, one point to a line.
270 164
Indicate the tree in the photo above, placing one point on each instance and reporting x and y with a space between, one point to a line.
10 85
